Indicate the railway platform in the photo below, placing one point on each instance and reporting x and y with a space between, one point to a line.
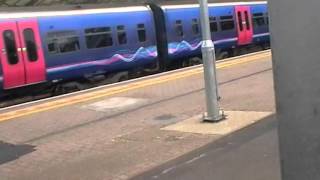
147 128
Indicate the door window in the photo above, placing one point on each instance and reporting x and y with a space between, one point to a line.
246 15
11 48
240 21
30 45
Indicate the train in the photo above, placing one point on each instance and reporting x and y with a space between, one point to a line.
51 48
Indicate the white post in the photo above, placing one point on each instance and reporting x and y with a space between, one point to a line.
214 113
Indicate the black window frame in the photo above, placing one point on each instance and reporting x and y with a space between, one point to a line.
247 20
93 32
178 28
259 19
31 49
225 21
195 28
121 33
142 33
12 48
213 24
239 17
57 38
266 18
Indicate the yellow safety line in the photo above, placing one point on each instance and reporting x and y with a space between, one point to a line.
122 88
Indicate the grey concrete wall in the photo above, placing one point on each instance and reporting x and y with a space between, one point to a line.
295 29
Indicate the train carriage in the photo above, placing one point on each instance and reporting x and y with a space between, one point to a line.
53 46
232 25
60 46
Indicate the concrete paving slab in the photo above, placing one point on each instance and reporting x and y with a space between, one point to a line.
116 104
235 120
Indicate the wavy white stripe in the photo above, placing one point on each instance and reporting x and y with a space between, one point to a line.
262 34
153 54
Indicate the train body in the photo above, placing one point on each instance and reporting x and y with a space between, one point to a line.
59 46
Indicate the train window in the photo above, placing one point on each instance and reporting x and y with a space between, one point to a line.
179 28
257 14
213 24
30 44
246 15
11 48
267 18
226 17
226 23
98 37
141 33
240 21
122 36
258 20
195 26
69 44
62 42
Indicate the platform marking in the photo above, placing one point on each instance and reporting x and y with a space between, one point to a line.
124 88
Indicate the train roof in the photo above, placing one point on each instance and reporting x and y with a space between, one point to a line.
212 4
40 3
47 13
7 15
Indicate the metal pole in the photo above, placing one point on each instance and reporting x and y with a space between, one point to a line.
214 113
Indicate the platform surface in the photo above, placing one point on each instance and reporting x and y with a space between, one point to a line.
120 133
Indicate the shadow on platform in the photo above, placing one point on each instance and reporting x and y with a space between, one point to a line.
10 152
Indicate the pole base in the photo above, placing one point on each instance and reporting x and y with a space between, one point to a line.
221 116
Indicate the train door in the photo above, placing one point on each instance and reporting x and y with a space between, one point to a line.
244 25
11 57
21 53
35 68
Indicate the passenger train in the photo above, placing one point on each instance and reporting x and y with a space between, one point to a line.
55 47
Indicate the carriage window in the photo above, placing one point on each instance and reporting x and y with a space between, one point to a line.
62 42
226 17
98 37
141 33
122 36
267 18
258 20
226 23
179 28
10 45
69 44
30 45
195 26
213 24
247 20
